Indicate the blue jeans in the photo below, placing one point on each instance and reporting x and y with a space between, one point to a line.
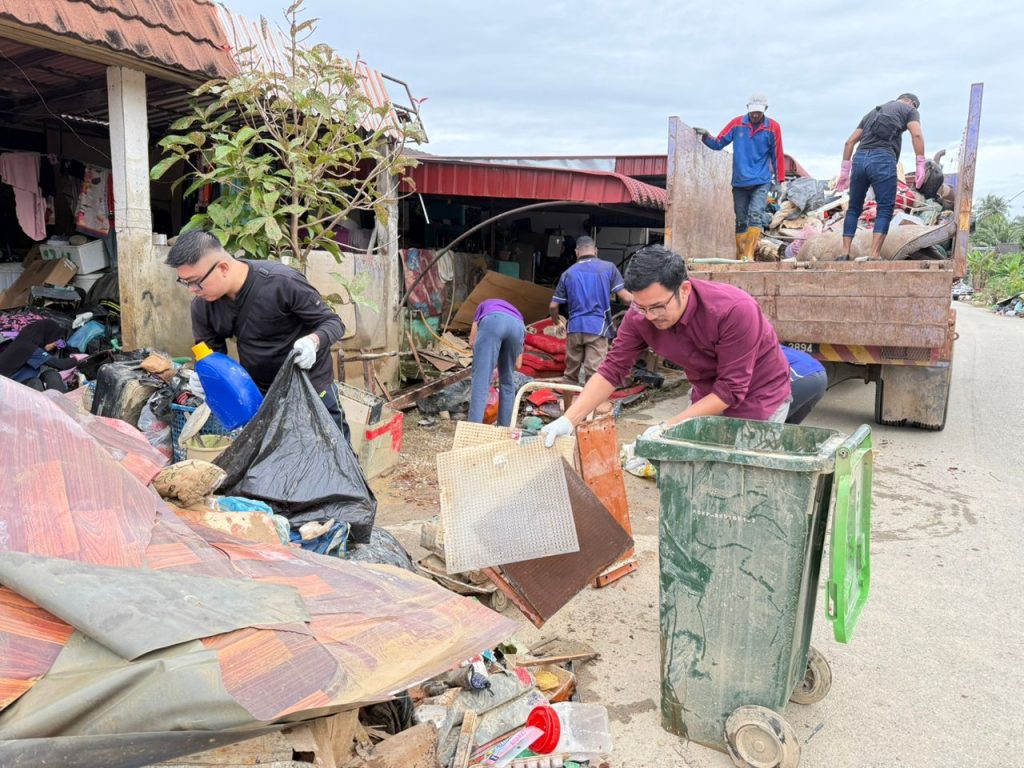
749 203
875 168
499 341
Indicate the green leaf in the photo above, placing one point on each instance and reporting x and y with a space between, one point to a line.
198 221
163 167
183 122
273 229
245 134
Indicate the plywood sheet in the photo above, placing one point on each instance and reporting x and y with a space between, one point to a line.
548 583
532 300
699 221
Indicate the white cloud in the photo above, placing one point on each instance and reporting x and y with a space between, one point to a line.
602 77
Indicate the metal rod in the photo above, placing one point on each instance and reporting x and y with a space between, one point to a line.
476 228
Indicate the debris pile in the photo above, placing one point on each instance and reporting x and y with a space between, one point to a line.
196 630
805 223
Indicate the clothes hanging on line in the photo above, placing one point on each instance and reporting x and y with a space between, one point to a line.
21 171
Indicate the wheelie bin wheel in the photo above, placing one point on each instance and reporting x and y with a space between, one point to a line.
757 737
817 680
498 600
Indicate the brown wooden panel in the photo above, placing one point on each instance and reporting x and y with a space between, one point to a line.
699 221
917 284
546 584
871 309
861 333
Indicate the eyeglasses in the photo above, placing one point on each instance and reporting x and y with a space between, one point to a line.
197 285
654 310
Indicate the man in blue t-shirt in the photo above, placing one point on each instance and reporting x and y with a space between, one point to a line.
587 287
808 380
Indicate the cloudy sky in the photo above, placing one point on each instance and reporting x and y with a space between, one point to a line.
538 77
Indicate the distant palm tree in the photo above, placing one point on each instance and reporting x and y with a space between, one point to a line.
990 206
998 230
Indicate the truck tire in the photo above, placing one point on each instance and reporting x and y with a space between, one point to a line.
913 396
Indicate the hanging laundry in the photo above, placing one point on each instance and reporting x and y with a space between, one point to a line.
21 171
92 216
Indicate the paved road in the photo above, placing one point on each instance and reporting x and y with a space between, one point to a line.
934 674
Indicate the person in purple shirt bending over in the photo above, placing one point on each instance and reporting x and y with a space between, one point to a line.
716 333
497 336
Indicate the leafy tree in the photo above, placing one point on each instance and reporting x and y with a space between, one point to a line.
295 146
990 206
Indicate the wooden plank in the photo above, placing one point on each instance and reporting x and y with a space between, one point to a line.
852 332
467 735
868 309
407 398
586 656
918 284
965 180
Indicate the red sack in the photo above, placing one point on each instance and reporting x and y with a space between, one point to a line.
550 344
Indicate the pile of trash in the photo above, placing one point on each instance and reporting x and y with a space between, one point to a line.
511 706
805 223
188 613
1011 307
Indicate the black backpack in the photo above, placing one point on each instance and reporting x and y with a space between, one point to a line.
884 126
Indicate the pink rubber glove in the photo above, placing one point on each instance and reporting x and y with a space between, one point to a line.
843 182
922 171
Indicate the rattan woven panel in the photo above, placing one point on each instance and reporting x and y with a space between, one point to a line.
469 434
503 503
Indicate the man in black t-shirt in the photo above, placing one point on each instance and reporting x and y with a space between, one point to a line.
878 139
268 308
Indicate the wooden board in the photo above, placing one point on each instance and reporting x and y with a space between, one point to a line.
898 304
700 221
532 300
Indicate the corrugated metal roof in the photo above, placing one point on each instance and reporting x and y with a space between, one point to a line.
185 35
442 176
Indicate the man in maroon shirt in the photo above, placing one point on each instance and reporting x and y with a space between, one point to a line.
716 333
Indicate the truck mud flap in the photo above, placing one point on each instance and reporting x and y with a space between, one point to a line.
913 396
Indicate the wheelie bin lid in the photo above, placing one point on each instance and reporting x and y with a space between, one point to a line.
786 447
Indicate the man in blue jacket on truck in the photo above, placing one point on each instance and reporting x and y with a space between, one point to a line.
757 162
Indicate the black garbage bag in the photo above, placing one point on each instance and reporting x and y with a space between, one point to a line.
383 548
455 397
293 456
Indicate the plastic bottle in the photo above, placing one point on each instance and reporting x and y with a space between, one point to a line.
579 730
230 391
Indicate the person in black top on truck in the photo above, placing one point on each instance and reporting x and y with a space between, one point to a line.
267 307
878 139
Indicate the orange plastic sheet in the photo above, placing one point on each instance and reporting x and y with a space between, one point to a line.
364 632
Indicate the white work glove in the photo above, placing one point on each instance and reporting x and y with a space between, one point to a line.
560 427
306 347
653 433
81 319
195 386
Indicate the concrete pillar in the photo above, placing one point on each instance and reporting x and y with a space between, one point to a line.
154 310
390 371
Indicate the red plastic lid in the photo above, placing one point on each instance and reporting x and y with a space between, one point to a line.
547 720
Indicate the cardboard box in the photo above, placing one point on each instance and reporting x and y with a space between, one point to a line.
379 446
59 272
376 429
91 257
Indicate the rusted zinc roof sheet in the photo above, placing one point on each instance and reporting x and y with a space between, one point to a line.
185 35
441 176
76 510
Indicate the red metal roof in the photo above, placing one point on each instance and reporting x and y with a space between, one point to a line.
441 176
657 165
185 35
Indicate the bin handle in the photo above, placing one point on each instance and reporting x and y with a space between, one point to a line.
532 385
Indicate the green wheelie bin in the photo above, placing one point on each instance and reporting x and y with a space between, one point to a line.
745 507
